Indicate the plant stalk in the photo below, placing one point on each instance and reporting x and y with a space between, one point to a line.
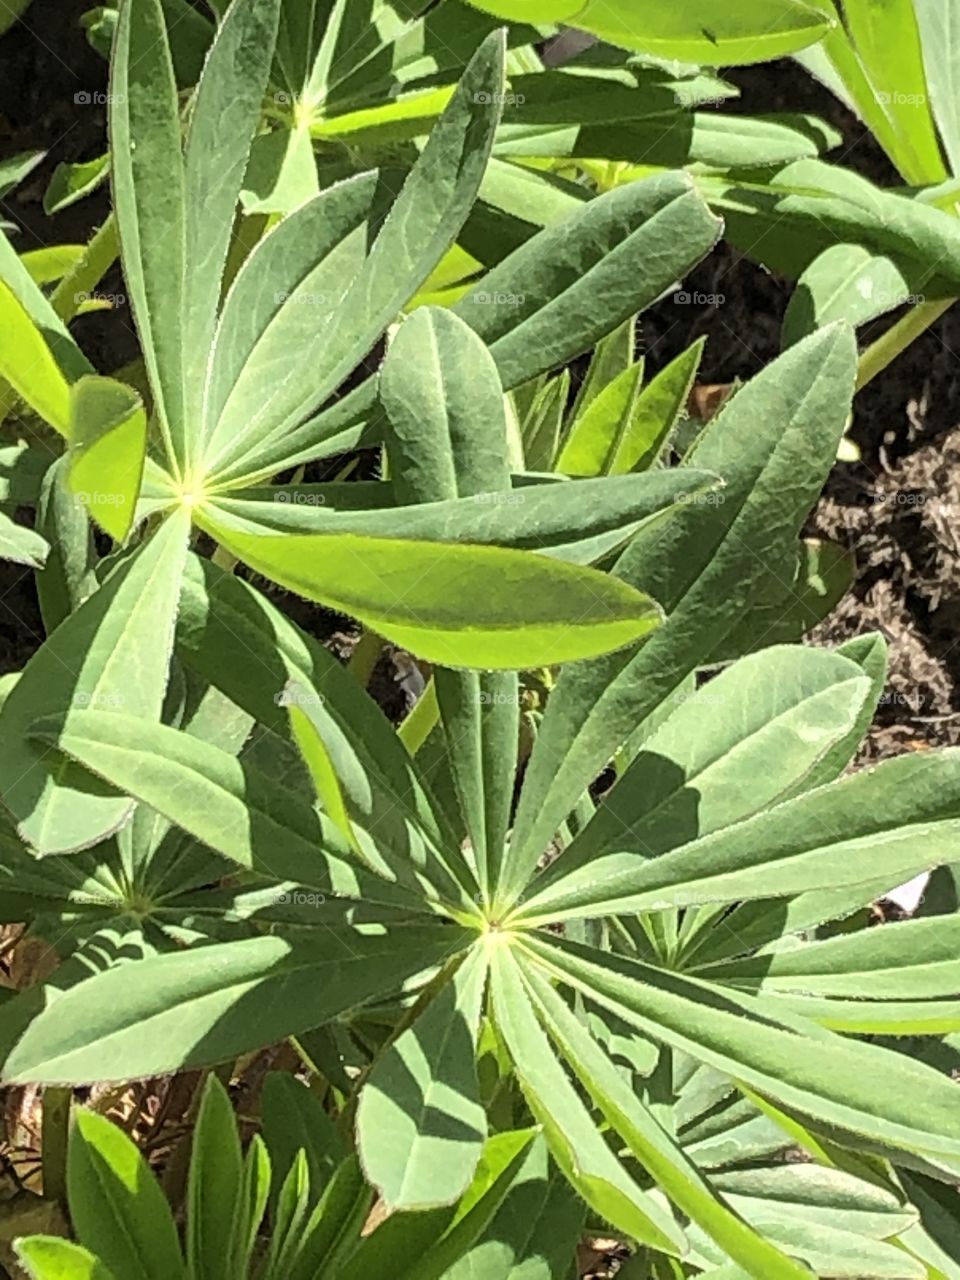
898 337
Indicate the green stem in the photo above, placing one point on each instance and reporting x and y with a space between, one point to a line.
364 657
100 255
56 1127
419 724
885 350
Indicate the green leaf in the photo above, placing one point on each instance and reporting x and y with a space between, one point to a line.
460 606
567 287
254 1191
224 118
239 642
937 21
116 1205
225 803
692 31
29 366
912 960
888 822
420 1124
72 182
887 42
625 427
789 219
108 447
447 439
857 1087
575 1143
69 575
50 1258
534 1233
208 1005
420 227
447 435
124 636
809 590
294 1120
708 566
337 1220
21 545
773 717
149 198
651 1145
213 1188
846 282
580 523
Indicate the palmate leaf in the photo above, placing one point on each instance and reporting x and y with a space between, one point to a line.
420 1123
776 717
574 1142
200 1007
773 444
458 448
550 299
228 805
420 226
113 654
649 1143
856 1088
238 641
839 832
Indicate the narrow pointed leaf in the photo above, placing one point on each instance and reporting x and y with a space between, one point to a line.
773 445
111 656
420 1124
574 1141
856 1087
116 1204
149 199
213 1189
460 606
108 446
208 1005
652 1146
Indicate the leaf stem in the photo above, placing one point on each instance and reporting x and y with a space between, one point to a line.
898 337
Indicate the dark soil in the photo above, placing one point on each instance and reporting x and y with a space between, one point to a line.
895 508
